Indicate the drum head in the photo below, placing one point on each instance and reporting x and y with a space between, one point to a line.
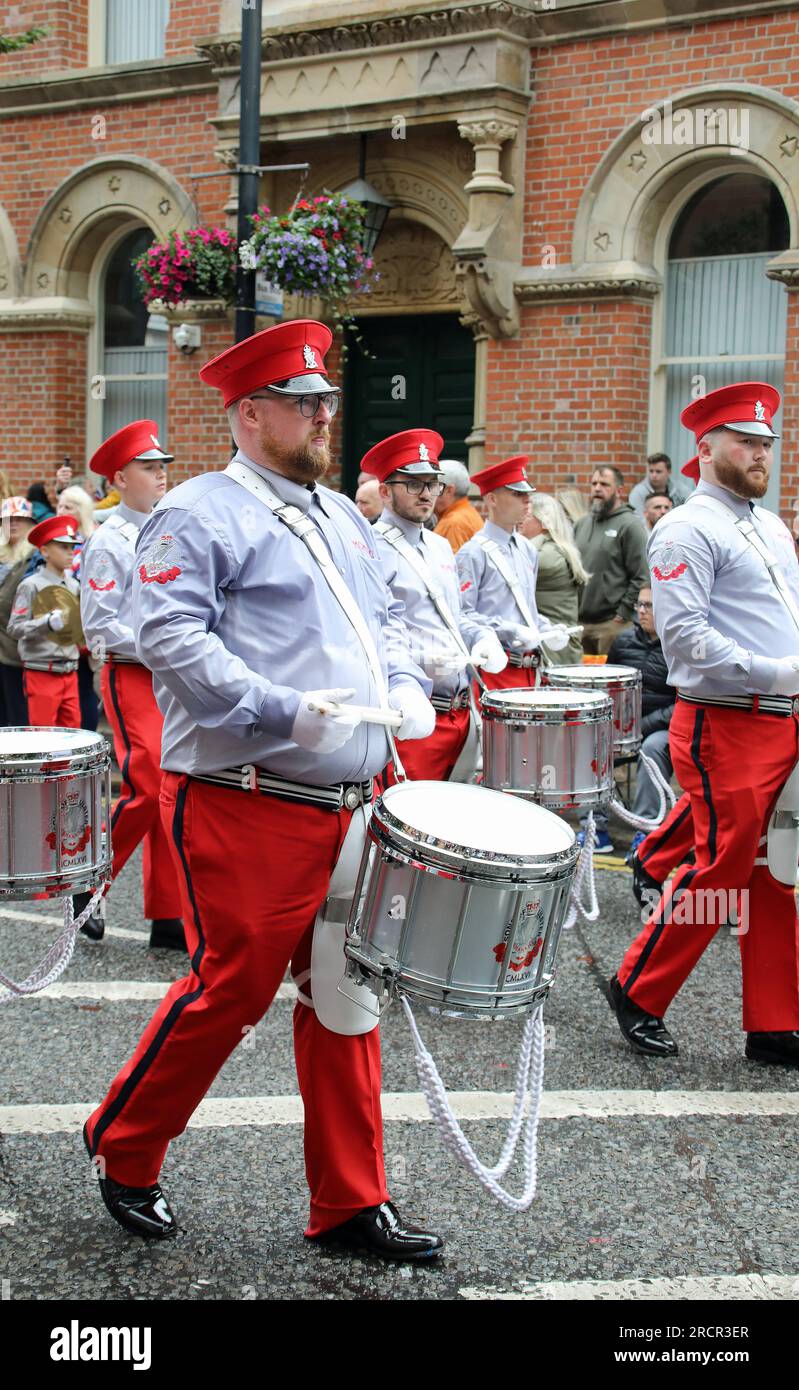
544 698
24 747
475 821
590 675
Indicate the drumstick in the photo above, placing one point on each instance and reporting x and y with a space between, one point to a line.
392 718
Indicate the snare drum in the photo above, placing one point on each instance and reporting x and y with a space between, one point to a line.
623 685
466 895
553 746
55 794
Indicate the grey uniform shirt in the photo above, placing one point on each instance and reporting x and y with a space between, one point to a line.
426 629
106 598
34 635
235 620
484 591
677 489
717 612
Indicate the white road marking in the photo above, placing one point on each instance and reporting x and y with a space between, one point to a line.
715 1288
121 989
411 1106
49 919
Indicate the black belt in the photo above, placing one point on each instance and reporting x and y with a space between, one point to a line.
783 705
51 669
444 704
123 660
255 780
526 659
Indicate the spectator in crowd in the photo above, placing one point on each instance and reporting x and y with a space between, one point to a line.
573 503
42 497
655 507
456 519
659 481
368 499
63 476
561 573
18 559
75 501
612 545
639 646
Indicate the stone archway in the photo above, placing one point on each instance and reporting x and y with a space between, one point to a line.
10 264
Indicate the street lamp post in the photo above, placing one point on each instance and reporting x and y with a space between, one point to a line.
249 156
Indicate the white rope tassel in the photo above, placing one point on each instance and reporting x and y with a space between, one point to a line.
57 958
585 868
664 791
529 1083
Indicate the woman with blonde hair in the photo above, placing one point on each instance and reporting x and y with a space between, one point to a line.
573 503
561 572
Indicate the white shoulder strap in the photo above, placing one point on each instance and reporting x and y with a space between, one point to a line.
753 537
418 564
307 531
497 557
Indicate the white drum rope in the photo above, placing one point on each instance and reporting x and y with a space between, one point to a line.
58 957
585 869
529 1084
665 794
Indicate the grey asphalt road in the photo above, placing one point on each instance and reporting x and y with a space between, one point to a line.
690 1199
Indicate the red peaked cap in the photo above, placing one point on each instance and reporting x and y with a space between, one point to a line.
747 406
138 440
288 350
691 468
410 451
510 473
54 528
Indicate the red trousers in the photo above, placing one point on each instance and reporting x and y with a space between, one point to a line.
52 699
512 678
253 872
136 722
666 847
732 765
432 759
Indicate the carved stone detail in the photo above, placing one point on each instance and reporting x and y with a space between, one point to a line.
788 146
487 286
164 207
65 215
416 270
564 285
488 137
227 155
115 183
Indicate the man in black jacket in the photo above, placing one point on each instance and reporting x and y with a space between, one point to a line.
639 646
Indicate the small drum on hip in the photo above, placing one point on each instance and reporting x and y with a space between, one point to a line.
55 796
551 746
622 684
466 892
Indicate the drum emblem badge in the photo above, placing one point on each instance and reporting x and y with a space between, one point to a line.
76 830
523 953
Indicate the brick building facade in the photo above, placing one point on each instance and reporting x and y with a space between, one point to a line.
585 276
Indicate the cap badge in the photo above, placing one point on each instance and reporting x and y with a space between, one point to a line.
309 357
156 445
760 411
424 453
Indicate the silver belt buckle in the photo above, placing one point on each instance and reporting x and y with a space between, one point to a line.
795 705
352 798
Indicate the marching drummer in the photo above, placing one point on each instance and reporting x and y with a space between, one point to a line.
734 734
40 622
135 464
258 644
419 568
497 571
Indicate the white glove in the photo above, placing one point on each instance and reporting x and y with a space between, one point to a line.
419 716
787 678
442 661
57 620
323 733
487 652
526 639
556 638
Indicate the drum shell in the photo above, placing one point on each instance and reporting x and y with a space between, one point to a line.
623 685
52 817
559 759
460 941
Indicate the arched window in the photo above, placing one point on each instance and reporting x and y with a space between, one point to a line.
724 319
134 346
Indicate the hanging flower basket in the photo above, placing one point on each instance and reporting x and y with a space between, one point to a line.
315 250
199 264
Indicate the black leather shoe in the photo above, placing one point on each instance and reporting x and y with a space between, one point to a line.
168 932
94 926
377 1231
144 1211
780 1049
645 1032
644 883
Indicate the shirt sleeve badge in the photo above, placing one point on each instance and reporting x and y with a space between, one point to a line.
101 579
670 562
161 561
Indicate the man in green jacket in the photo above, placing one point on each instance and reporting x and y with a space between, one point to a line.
612 546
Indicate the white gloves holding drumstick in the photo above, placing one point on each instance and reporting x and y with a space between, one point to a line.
324 722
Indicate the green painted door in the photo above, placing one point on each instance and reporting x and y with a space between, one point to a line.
420 375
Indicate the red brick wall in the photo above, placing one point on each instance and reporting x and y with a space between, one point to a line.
198 430
42 404
66 44
190 20
789 464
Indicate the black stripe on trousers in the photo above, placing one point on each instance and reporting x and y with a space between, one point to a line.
678 821
658 925
137 1075
123 801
